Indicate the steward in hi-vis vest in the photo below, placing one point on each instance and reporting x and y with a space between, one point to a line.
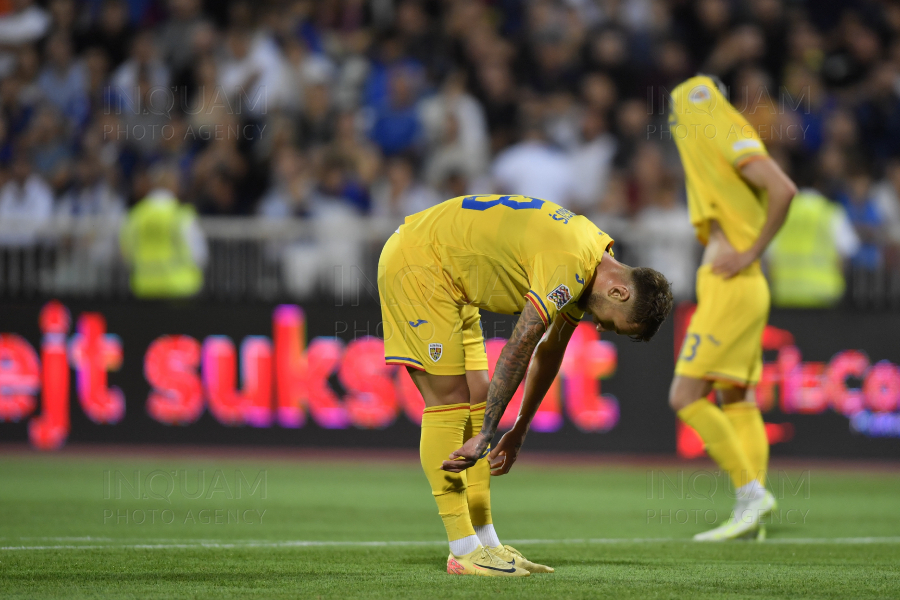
805 264
159 239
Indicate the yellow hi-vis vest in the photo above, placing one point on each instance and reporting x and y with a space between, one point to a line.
804 263
162 263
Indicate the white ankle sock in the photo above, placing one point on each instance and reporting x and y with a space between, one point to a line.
465 545
750 491
487 535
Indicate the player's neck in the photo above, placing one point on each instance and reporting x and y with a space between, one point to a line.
608 273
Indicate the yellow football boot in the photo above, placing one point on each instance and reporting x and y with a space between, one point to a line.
483 562
514 557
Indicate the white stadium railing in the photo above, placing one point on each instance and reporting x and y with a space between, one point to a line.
248 258
256 258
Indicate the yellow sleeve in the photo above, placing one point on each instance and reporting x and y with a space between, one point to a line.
557 280
740 142
700 113
572 314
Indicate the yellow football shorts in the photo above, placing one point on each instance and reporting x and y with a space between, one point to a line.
424 328
724 339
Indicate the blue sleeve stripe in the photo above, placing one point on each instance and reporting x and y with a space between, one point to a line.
538 298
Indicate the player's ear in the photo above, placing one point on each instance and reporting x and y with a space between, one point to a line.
619 293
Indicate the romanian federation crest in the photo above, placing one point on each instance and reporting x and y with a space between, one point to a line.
560 296
435 351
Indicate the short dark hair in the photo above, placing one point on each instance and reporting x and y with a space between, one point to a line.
652 303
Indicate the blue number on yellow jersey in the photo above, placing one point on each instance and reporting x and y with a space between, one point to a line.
497 252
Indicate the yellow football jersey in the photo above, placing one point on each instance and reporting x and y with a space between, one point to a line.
495 252
714 141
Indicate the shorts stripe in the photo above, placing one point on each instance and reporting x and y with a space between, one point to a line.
743 382
408 362
412 360
542 310
438 409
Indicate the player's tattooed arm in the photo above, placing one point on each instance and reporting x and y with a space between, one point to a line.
511 367
545 363
508 374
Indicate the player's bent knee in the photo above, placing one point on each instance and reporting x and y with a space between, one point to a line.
686 390
439 390
478 383
732 394
678 401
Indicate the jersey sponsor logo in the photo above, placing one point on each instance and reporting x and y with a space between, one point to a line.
579 279
744 144
435 351
417 323
560 296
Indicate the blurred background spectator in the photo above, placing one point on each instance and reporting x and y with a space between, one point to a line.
331 112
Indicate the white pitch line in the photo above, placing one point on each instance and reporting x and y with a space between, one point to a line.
216 545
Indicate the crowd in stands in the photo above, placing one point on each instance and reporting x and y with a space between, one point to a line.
316 108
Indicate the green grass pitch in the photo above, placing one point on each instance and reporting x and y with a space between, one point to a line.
76 526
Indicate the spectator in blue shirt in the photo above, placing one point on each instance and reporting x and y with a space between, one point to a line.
859 202
397 127
64 81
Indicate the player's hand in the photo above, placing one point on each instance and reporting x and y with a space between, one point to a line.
730 262
468 455
504 455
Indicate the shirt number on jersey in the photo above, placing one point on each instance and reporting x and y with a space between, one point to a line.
690 347
470 203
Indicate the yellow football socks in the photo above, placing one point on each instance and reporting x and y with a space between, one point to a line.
721 441
442 433
748 424
479 489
